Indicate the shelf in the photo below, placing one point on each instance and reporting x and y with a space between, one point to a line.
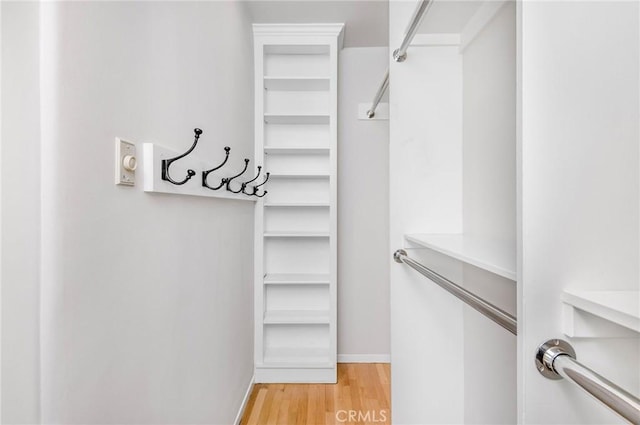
621 308
299 176
295 86
295 317
296 235
495 257
297 205
296 119
296 279
305 150
296 83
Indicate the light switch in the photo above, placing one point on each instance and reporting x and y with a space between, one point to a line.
126 163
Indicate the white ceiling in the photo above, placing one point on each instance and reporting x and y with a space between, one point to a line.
367 22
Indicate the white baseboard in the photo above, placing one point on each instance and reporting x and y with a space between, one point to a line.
364 358
245 400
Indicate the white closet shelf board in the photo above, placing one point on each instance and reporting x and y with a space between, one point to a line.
305 150
296 235
495 257
619 307
152 172
296 83
296 317
296 205
296 119
296 279
299 176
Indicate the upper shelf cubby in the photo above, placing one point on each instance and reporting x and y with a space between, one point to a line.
290 62
289 135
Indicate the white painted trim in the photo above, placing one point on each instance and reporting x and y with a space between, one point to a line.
364 358
436 40
245 400
296 375
289 30
1 207
382 112
481 19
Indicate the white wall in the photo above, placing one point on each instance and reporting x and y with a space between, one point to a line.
363 214
425 170
146 300
580 191
489 129
20 213
489 212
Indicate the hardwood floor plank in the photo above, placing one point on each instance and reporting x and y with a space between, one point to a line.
303 394
321 413
278 391
267 406
361 396
257 406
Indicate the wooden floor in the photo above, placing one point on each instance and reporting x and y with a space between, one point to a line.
361 396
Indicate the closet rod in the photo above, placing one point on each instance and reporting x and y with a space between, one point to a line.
494 313
376 100
400 54
556 359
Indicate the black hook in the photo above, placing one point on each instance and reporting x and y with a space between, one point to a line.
261 196
205 174
255 188
243 186
228 180
166 163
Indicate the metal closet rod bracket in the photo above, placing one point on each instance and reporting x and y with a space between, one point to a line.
166 163
556 359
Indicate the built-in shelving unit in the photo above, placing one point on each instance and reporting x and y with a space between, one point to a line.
295 248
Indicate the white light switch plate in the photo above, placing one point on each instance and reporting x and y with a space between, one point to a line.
126 162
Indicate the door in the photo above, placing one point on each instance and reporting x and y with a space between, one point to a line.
578 200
